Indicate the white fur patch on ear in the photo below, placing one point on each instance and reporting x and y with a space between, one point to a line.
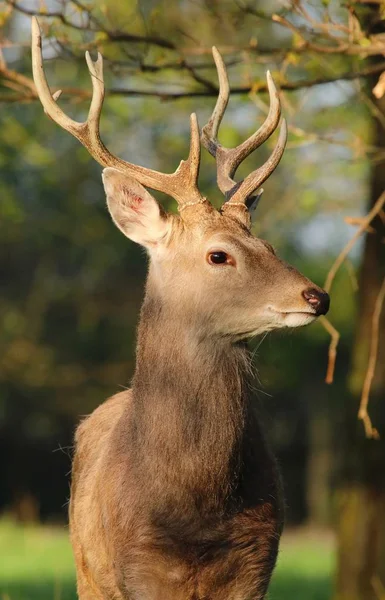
133 209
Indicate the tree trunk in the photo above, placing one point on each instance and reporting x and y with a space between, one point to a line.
361 497
319 465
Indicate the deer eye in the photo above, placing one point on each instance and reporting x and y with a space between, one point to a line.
218 257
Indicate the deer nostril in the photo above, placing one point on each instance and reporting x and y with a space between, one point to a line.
318 299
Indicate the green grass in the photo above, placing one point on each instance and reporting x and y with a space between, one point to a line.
305 567
36 564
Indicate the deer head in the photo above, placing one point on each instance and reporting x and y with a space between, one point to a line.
205 265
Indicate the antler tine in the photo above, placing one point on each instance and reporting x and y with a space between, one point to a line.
97 78
270 124
188 170
194 157
210 130
257 177
49 104
229 159
182 184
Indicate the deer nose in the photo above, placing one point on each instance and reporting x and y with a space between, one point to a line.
318 299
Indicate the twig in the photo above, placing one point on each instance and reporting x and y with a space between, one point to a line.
16 78
370 431
352 275
378 587
113 36
345 251
335 336
332 354
339 45
357 221
338 48
325 27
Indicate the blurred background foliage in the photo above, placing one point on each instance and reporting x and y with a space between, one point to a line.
72 284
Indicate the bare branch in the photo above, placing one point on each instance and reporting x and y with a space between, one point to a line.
113 36
345 251
378 586
21 81
370 431
203 87
338 48
364 224
260 86
203 92
332 355
50 14
165 94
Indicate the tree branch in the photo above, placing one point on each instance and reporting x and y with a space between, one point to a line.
365 222
332 354
209 91
370 431
113 36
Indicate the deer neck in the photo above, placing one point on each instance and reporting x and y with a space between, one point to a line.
189 406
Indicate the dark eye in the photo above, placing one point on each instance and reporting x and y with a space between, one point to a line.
218 257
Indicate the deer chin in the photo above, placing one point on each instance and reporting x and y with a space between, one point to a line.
290 318
295 318
276 319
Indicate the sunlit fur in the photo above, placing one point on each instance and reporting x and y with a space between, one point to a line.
175 494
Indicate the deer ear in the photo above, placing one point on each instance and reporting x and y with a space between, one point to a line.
134 210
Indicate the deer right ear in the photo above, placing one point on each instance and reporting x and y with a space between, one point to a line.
134 210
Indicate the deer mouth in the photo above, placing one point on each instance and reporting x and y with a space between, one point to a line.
294 318
298 312
298 318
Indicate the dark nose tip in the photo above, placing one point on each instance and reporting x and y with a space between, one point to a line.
318 299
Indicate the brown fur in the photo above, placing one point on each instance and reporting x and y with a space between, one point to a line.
204 512
175 494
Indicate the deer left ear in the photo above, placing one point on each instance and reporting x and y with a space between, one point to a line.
134 210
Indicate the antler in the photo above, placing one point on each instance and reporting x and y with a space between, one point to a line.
229 159
182 184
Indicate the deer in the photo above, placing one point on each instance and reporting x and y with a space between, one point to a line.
175 492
